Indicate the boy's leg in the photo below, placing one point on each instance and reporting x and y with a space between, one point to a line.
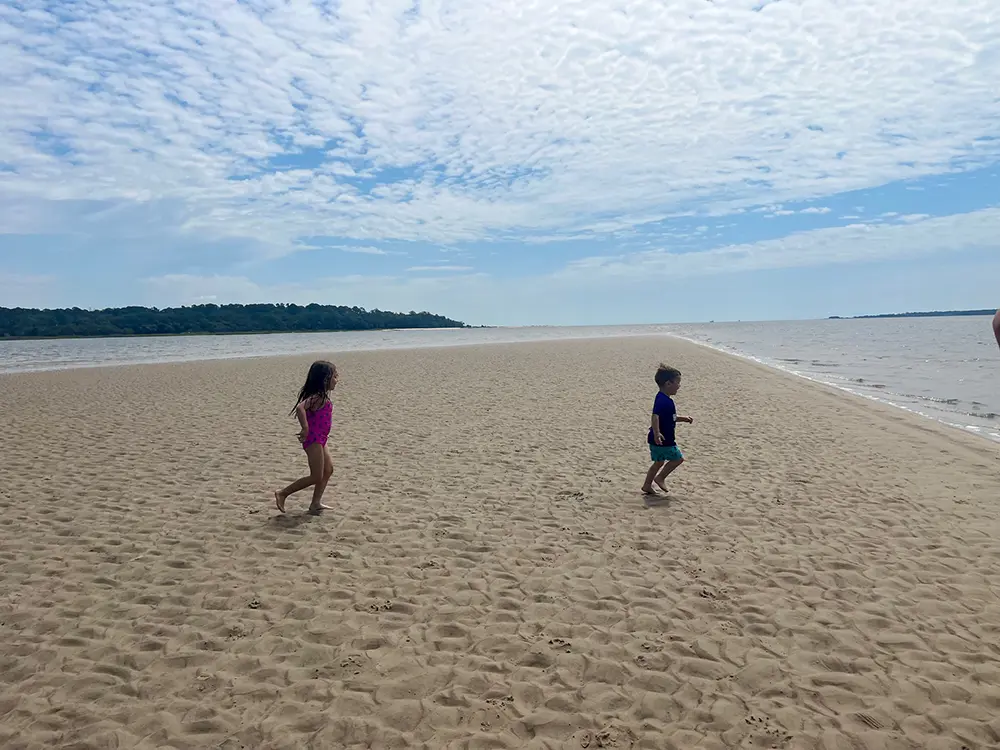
665 472
647 486
320 487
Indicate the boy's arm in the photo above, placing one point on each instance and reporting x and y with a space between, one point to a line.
689 420
654 425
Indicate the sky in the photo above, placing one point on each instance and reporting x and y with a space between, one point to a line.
503 162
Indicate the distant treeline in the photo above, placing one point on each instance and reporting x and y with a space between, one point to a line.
212 319
933 314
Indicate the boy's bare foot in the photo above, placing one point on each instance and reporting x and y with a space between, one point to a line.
648 491
279 501
659 483
317 509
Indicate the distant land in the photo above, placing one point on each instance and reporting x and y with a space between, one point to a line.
23 323
933 314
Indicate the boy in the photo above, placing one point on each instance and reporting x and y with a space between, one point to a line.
662 443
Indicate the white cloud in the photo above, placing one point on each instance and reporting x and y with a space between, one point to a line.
602 289
442 268
855 243
364 250
457 122
816 210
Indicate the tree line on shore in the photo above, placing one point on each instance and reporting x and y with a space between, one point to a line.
22 322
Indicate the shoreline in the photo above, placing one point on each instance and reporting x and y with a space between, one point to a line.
192 334
761 362
405 347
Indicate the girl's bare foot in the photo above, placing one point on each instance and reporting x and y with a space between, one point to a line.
279 501
659 483
648 491
317 509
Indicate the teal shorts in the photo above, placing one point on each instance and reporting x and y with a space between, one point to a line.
665 453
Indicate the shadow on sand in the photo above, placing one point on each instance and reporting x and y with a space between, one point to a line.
293 520
657 501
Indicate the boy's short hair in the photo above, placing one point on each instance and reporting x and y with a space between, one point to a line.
666 374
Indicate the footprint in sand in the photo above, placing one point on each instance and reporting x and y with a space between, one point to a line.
236 632
352 665
762 726
609 737
562 645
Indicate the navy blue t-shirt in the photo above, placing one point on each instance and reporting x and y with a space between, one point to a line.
664 408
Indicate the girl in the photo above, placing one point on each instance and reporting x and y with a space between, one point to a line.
315 412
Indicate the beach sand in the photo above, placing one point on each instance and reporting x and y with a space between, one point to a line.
825 574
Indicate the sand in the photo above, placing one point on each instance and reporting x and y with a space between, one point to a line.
824 575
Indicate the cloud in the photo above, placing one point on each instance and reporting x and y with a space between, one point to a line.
459 122
364 250
855 243
602 289
443 268
791 212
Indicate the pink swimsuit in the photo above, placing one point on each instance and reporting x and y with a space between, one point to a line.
319 422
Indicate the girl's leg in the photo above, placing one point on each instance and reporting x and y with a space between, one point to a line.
314 453
647 486
320 487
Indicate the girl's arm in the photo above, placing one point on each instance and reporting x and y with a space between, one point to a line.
300 413
689 420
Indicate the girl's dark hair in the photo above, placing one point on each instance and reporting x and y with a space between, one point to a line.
318 381
666 374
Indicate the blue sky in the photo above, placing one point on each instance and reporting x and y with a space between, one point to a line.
512 162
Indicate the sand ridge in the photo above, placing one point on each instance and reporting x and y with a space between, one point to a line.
825 574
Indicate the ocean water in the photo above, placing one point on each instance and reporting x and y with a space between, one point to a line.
947 369
58 354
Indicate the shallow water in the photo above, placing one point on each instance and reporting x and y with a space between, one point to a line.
55 354
947 369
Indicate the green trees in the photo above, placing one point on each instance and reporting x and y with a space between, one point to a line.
138 321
